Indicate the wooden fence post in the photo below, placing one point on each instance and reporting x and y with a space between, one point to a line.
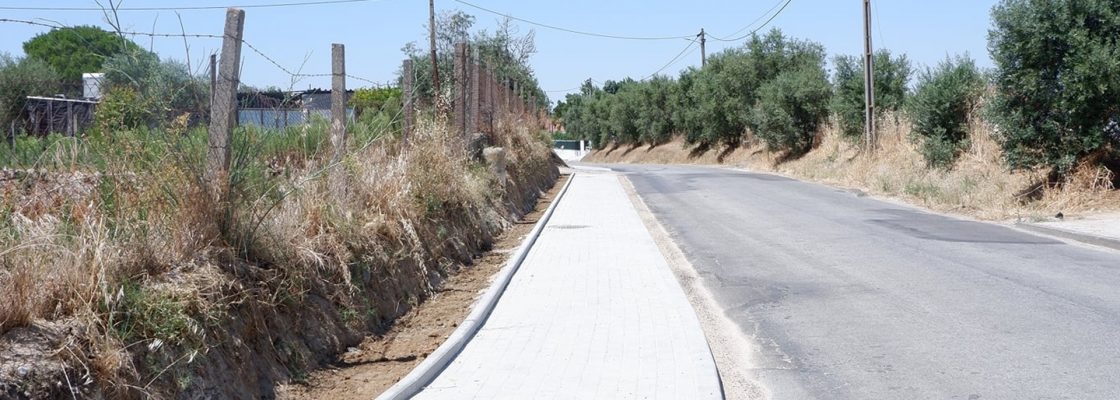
225 106
338 117
409 99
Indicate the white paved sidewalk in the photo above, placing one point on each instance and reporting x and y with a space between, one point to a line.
593 313
1103 225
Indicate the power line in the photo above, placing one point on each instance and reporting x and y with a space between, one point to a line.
760 17
671 62
186 8
578 32
755 30
252 48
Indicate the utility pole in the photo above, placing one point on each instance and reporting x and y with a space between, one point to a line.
703 49
868 78
432 30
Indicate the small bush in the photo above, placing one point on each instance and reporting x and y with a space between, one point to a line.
19 78
791 109
941 106
892 75
1058 79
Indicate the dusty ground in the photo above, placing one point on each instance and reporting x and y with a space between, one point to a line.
379 362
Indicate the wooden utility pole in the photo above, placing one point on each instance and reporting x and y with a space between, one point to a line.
432 31
703 49
224 112
868 78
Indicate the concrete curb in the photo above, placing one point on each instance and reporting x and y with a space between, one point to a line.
1071 235
431 367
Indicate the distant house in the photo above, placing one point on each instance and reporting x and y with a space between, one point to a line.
283 109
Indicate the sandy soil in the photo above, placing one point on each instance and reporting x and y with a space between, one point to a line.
379 362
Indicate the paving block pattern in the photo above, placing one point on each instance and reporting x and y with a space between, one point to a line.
593 313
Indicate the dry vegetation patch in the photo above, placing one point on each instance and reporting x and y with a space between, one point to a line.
119 278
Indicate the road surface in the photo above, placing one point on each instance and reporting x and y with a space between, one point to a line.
848 297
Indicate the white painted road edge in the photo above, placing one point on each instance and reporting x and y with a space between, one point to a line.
428 369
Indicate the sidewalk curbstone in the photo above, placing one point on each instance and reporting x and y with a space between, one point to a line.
427 370
1071 235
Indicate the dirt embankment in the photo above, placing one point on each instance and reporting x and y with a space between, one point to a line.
96 307
978 185
381 360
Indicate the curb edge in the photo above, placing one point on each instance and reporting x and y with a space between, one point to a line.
1070 235
435 363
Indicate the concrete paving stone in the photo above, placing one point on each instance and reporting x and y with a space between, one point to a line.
593 313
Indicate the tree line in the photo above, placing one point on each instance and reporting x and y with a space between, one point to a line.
1053 95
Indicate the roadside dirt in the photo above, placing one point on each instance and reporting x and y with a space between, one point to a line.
380 361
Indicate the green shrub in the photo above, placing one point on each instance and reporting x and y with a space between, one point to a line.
72 51
166 89
892 75
791 108
19 78
941 106
1057 77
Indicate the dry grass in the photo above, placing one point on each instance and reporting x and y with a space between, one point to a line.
978 185
115 237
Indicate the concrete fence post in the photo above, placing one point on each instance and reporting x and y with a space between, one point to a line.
213 81
473 97
338 117
459 97
409 100
224 107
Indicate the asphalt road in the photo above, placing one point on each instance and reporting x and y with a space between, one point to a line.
848 297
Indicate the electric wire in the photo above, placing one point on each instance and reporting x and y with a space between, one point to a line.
184 8
578 32
760 17
247 44
755 30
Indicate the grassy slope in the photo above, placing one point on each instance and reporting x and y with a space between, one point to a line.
117 279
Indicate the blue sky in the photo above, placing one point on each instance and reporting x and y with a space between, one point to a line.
374 32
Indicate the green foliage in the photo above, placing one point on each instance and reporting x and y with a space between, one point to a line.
73 51
122 108
374 99
1058 78
941 106
159 90
892 75
655 121
791 108
504 51
20 78
146 313
774 87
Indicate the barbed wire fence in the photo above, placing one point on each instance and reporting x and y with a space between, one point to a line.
479 100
